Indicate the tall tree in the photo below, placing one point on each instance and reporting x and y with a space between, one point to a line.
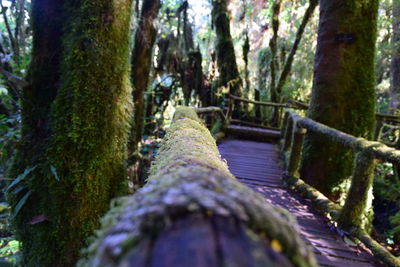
343 93
395 62
79 153
47 19
286 69
145 38
226 59
273 44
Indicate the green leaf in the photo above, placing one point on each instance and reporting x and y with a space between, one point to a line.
54 172
21 177
21 203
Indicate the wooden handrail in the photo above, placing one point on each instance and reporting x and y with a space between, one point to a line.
349 216
211 109
377 149
294 104
269 104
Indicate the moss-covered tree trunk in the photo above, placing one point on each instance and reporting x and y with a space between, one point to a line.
32 192
263 66
273 44
343 95
395 62
226 59
80 166
141 63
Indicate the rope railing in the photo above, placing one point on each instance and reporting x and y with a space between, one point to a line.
351 216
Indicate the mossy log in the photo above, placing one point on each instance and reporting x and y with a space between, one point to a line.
193 212
379 251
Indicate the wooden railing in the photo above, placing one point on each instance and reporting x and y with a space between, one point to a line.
232 101
366 152
293 129
383 120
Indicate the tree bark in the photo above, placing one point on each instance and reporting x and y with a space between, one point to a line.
79 154
141 63
395 62
226 59
343 95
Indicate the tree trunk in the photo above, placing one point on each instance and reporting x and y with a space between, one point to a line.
273 44
79 156
263 65
44 79
226 59
395 62
343 95
145 38
246 50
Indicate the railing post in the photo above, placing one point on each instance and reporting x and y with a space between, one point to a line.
287 136
378 129
357 210
284 123
295 152
231 106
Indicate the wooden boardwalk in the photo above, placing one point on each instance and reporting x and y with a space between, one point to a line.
257 165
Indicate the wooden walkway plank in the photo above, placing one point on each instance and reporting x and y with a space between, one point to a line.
257 165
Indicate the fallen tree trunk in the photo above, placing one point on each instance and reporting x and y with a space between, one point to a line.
193 212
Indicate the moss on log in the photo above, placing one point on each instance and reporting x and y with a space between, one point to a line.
377 149
193 212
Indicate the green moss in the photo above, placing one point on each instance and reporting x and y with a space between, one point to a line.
44 78
343 92
89 128
357 211
226 59
188 177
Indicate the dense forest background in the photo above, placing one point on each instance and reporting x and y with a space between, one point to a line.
175 48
